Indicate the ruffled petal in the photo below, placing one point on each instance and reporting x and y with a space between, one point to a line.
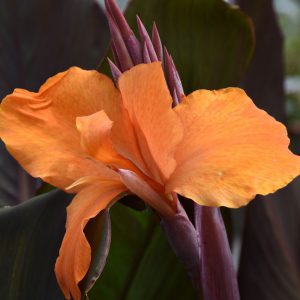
231 150
157 128
125 141
75 252
95 131
153 197
39 129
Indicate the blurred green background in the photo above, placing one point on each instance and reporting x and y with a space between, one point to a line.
213 54
288 12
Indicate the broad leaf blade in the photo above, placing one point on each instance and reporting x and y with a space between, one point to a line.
38 40
270 265
16 185
46 37
31 234
141 265
264 78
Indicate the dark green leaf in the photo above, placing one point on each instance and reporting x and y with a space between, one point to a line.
211 42
31 234
40 38
16 185
141 265
263 80
270 264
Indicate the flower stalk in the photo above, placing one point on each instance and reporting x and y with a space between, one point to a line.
129 51
193 244
108 139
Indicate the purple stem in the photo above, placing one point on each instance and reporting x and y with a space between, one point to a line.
218 276
182 236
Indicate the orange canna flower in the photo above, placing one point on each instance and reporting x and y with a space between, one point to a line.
83 135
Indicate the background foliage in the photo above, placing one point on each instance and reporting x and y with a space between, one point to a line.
212 44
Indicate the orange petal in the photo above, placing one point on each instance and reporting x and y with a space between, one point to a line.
231 150
124 140
153 198
158 129
95 136
39 129
96 140
75 252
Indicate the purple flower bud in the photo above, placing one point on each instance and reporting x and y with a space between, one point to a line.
176 99
146 40
116 73
146 56
132 43
172 76
120 49
157 43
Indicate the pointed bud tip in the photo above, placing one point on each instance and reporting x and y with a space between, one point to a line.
115 71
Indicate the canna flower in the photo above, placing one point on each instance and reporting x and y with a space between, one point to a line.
83 135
